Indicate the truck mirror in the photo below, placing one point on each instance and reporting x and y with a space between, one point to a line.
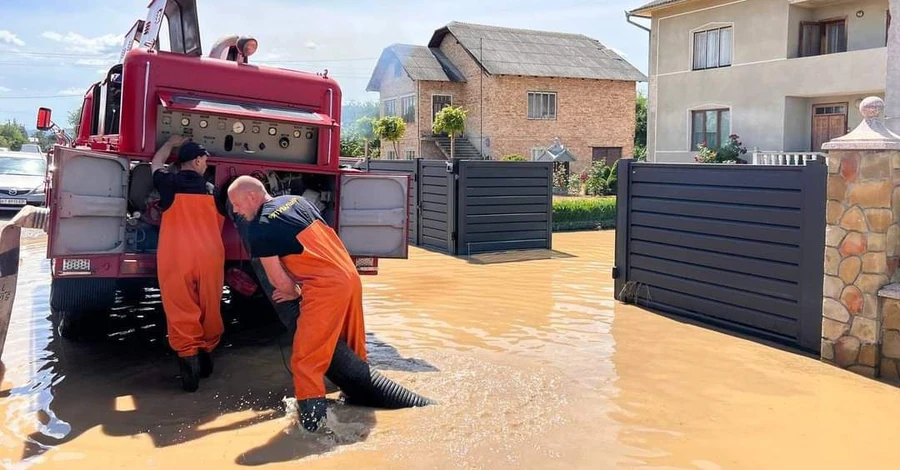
43 119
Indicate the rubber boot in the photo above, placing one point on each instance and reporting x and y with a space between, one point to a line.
190 373
206 364
312 413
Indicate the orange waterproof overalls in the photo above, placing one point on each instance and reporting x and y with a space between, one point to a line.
330 308
190 264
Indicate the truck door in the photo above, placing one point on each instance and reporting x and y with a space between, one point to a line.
373 219
88 203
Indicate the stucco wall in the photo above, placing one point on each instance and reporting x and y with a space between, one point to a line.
762 77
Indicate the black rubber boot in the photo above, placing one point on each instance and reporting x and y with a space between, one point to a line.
190 373
206 364
312 413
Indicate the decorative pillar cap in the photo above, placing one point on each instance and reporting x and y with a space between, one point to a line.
870 134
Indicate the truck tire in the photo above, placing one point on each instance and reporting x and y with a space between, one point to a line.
74 302
82 294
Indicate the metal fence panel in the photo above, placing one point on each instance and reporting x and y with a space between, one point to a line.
740 246
504 206
437 191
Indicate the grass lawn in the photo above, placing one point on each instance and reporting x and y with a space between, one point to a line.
583 212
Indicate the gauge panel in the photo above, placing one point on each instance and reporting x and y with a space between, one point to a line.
242 138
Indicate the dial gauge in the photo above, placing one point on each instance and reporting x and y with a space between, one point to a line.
238 127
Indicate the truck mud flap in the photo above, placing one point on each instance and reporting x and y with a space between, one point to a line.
9 274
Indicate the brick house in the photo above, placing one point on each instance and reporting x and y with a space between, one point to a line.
522 90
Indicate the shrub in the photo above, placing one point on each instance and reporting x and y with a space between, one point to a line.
612 182
595 183
514 158
728 153
584 213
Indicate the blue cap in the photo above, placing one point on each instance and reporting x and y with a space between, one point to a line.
191 150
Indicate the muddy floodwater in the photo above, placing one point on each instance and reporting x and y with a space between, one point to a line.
533 362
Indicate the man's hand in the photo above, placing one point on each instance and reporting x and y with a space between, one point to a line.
280 295
176 140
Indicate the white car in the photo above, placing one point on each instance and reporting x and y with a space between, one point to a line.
22 179
31 148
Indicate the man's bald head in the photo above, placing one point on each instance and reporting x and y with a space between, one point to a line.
247 194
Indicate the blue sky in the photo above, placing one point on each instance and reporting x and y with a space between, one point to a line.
52 50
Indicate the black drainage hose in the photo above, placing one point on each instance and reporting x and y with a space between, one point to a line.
363 385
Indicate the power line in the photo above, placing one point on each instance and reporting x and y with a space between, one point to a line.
114 56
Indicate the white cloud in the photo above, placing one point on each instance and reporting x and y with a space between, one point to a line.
10 38
71 92
3 89
92 46
311 45
94 62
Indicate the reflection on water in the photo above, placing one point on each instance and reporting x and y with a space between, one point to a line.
533 363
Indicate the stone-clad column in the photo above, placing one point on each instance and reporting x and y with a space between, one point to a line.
862 251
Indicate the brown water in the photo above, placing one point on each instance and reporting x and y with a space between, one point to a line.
547 373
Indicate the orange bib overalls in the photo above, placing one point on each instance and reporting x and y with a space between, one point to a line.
190 266
330 308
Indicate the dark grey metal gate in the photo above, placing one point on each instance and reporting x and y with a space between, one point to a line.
739 246
407 167
504 206
437 196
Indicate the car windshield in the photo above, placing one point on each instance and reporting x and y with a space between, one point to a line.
22 166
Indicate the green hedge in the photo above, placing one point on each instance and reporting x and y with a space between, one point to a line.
584 213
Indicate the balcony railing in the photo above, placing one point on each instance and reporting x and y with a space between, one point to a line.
785 158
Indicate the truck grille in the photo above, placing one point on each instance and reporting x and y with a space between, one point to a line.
76 265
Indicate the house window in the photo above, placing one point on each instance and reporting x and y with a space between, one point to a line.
536 152
712 48
712 126
390 107
410 154
541 105
408 108
822 37
391 154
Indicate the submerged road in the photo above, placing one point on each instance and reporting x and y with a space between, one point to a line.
533 362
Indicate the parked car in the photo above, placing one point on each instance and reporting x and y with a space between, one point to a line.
31 148
22 176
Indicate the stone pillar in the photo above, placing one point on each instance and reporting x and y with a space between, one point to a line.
862 240
892 78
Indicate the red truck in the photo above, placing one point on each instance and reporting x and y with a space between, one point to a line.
280 126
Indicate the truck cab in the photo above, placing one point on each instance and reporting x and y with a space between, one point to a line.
279 126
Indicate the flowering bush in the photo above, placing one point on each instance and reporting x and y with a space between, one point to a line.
728 153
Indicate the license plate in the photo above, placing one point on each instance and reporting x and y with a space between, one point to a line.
13 202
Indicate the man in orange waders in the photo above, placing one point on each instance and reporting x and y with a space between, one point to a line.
295 245
190 258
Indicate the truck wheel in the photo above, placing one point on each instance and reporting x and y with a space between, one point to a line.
82 294
74 303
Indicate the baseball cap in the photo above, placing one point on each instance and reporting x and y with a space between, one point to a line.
191 150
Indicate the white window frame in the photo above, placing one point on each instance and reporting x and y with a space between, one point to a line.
705 29
410 154
536 152
539 115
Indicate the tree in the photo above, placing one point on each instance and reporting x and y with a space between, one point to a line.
391 129
363 129
44 139
451 120
13 135
74 118
353 111
640 127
